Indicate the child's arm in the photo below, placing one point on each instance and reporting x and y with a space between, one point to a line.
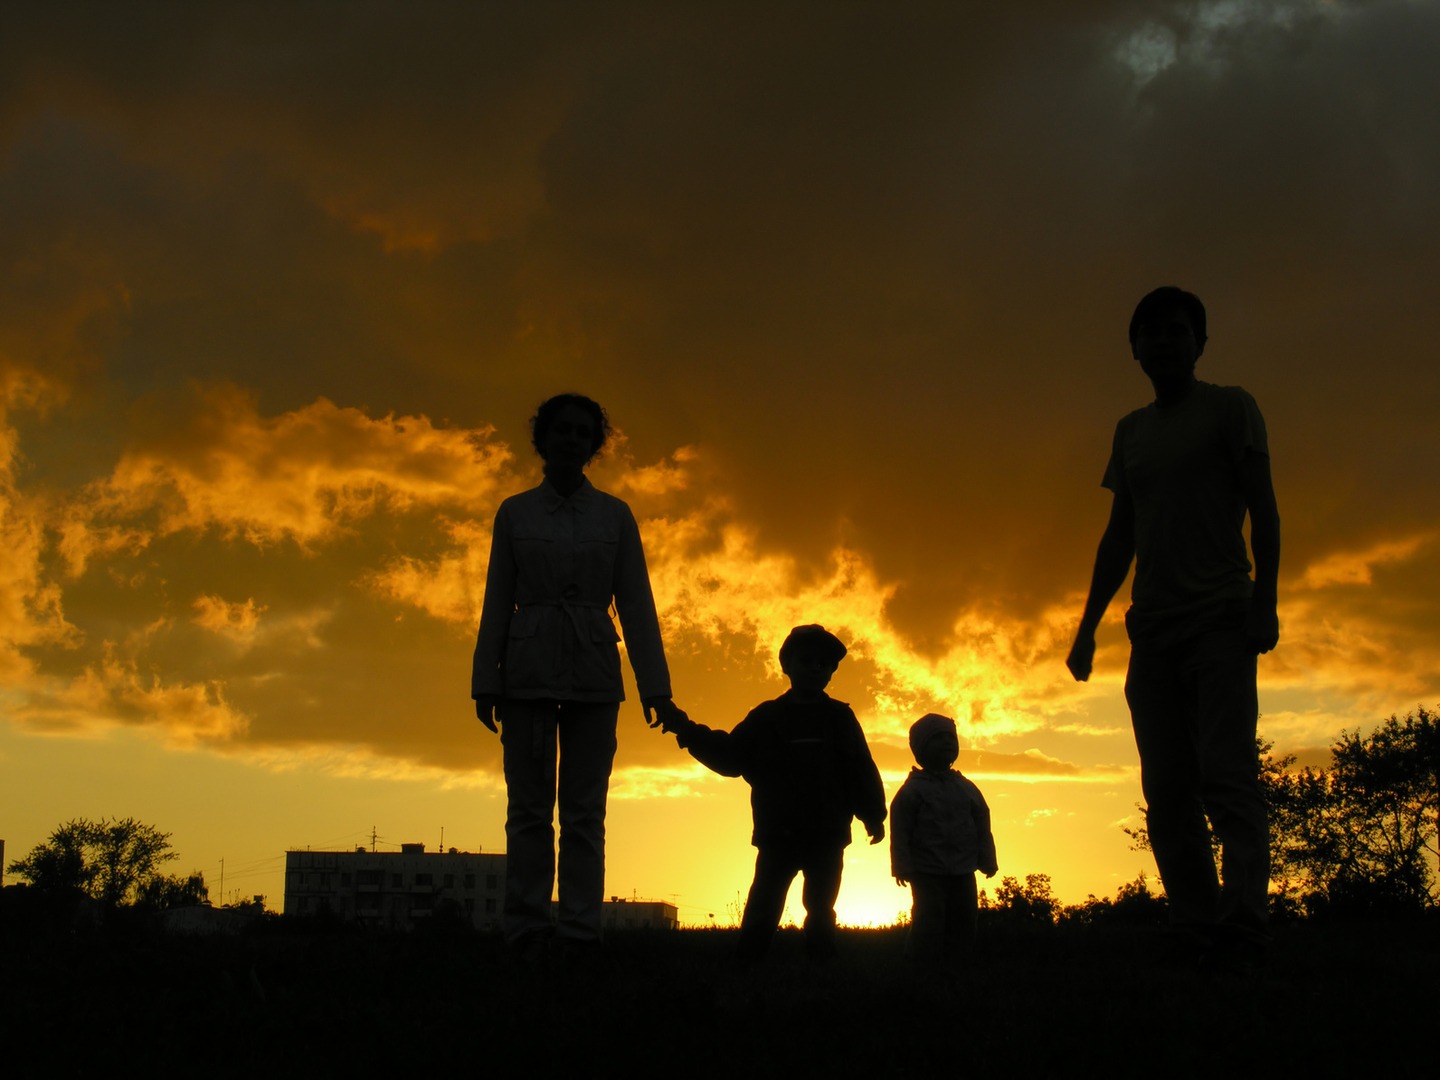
867 791
723 752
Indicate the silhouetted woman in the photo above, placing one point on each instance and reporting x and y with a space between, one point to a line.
547 668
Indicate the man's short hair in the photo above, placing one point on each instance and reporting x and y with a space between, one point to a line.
1168 298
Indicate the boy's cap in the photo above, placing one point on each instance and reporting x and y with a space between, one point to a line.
928 726
812 638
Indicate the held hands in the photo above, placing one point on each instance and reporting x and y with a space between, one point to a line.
676 722
661 712
902 882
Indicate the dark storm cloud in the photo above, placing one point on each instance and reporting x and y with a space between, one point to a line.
886 265
876 260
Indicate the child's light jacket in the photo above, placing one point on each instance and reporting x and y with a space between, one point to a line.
939 824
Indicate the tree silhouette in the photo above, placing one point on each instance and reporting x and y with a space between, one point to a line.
1361 835
169 891
59 865
117 862
1134 905
1030 902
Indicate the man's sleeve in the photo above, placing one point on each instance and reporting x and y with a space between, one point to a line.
1245 427
867 790
1114 478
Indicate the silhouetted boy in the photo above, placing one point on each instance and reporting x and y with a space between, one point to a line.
1185 471
939 836
810 771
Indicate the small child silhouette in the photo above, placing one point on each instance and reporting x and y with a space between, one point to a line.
810 772
939 836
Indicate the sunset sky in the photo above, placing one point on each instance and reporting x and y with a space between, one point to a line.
281 284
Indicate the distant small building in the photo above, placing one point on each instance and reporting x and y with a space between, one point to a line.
399 890
205 920
639 915
396 890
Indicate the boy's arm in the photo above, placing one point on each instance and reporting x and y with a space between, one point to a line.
867 789
1112 565
724 752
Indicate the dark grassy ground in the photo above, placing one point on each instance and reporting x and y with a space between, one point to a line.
312 1001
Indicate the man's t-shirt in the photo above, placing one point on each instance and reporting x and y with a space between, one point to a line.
1180 465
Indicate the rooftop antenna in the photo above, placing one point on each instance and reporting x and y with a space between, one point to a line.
372 839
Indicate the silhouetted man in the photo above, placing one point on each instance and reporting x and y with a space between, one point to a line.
1184 471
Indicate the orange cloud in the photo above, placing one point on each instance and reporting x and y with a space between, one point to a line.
31 610
993 676
302 476
449 587
234 620
1357 567
357 762
999 676
684 780
113 692
423 494
661 479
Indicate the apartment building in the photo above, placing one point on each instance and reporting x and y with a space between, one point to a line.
400 890
396 890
